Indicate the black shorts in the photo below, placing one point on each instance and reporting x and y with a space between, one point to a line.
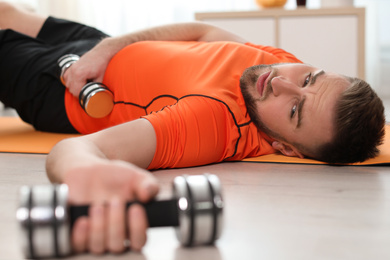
29 74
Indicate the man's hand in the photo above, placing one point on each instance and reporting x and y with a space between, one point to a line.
107 187
91 67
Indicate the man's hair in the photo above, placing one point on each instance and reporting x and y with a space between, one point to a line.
358 126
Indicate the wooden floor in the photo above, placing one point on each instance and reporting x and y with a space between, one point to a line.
273 211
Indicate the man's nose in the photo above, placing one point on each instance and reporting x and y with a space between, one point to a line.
281 85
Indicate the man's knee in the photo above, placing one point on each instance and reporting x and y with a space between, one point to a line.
9 10
6 10
6 7
20 18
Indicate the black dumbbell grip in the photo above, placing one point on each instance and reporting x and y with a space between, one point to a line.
160 213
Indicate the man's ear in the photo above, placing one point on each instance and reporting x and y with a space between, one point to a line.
287 149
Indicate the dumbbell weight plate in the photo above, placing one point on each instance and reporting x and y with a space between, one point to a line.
96 100
201 219
43 221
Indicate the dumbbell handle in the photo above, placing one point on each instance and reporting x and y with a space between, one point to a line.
160 213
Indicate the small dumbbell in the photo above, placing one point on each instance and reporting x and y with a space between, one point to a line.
95 98
46 220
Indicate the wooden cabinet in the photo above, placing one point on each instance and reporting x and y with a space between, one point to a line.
332 39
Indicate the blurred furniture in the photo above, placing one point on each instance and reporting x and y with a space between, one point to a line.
331 39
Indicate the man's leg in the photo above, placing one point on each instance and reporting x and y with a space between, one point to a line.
20 19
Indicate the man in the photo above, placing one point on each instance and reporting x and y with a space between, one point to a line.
185 95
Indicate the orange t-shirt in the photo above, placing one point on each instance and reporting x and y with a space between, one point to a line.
190 93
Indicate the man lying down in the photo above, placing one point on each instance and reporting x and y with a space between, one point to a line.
184 95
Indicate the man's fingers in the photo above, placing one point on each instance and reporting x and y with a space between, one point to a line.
108 194
147 190
145 186
137 184
80 235
75 87
98 79
137 224
74 80
116 231
97 229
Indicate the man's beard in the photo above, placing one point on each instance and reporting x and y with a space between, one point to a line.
248 82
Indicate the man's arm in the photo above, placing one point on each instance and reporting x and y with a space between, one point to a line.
92 65
105 170
133 142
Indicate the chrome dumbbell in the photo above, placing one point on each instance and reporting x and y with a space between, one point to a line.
95 98
45 219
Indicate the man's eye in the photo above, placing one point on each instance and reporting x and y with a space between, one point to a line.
293 110
307 80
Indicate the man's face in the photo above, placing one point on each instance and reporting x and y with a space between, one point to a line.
293 103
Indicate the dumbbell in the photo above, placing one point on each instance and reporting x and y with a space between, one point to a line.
45 219
95 98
